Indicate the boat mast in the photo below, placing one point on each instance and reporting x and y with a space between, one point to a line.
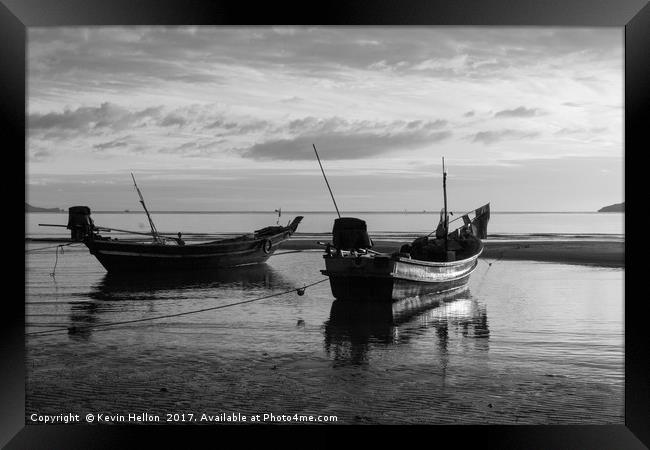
444 190
326 182
154 231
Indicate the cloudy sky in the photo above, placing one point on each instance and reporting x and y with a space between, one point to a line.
224 118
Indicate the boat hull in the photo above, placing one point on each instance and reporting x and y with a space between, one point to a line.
126 257
384 278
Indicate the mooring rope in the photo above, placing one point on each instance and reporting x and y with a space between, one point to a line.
488 269
56 261
503 252
298 251
74 329
51 246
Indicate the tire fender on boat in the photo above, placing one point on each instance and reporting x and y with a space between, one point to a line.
266 246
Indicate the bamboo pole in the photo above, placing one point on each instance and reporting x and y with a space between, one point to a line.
444 190
154 231
326 182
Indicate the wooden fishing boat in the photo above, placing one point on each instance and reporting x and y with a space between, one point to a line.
172 254
164 253
426 266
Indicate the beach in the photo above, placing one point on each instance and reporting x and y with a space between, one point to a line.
535 338
527 342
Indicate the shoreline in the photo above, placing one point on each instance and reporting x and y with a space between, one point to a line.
597 251
427 212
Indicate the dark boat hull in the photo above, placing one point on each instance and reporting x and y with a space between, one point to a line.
120 258
129 257
385 278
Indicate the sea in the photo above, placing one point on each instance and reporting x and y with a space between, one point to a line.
501 224
525 343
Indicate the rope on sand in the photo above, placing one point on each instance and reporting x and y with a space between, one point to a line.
75 329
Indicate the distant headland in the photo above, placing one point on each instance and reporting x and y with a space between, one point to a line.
617 207
30 208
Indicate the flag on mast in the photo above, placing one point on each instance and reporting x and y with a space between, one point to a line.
441 230
480 222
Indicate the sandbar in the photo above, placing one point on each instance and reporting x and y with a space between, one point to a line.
598 252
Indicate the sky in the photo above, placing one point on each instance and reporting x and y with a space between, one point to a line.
224 118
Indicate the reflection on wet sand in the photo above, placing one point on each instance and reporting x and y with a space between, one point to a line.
82 316
150 286
113 290
353 327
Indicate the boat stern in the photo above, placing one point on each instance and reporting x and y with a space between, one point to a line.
360 277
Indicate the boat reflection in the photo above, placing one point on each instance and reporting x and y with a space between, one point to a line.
83 315
113 293
354 328
191 283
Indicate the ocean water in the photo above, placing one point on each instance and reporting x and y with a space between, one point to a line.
172 223
525 343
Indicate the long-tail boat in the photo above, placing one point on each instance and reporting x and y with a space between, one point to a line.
428 265
166 253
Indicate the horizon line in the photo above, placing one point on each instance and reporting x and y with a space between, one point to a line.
319 212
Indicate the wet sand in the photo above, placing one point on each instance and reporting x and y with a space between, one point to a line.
600 253
511 349
606 253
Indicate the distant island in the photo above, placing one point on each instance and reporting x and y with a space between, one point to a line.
617 207
30 208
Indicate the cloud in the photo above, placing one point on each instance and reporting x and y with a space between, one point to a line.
294 99
342 146
420 124
85 118
239 127
253 126
41 155
254 98
110 118
146 56
590 132
220 123
465 65
74 119
314 125
518 112
196 148
490 137
173 120
112 144
345 139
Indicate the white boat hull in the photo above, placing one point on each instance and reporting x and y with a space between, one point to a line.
384 277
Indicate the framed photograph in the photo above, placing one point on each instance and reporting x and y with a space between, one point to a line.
356 215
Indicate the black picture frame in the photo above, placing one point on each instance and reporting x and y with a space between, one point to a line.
633 15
